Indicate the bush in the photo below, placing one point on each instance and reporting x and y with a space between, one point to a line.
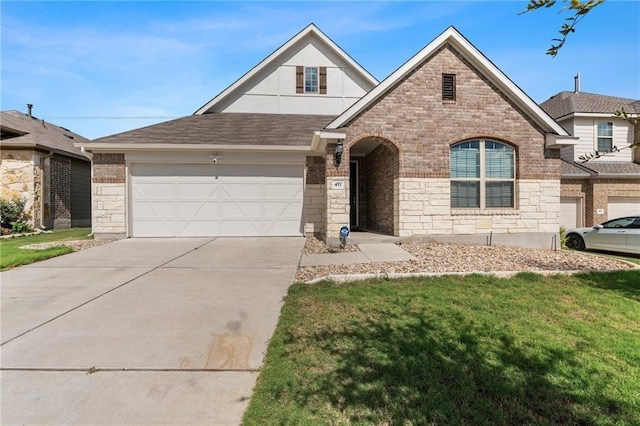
12 211
21 227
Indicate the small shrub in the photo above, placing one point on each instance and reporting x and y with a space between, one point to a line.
21 227
12 211
563 236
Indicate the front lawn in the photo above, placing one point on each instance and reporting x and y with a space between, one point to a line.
12 255
456 350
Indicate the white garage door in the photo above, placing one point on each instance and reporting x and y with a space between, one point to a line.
186 200
570 212
620 207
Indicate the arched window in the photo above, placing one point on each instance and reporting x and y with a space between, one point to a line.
482 174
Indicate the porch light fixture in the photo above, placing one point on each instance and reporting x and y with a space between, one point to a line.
338 152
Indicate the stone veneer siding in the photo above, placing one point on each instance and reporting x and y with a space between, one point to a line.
414 118
424 209
109 194
21 177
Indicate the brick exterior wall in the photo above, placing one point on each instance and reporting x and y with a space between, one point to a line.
382 168
413 118
109 195
596 194
108 168
60 209
315 170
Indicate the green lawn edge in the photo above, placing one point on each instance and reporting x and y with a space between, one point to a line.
531 349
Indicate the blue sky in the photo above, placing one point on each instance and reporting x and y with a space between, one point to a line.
100 68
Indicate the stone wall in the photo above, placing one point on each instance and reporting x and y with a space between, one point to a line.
21 177
315 205
424 209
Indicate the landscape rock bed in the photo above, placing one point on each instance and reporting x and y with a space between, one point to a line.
74 244
437 257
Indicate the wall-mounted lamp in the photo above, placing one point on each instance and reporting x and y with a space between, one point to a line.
338 152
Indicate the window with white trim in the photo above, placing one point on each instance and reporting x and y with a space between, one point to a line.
482 174
311 80
605 136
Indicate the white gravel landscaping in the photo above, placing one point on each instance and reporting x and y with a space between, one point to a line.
435 257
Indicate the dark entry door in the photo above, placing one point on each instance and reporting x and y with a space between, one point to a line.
353 193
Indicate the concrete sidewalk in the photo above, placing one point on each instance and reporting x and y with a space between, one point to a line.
369 252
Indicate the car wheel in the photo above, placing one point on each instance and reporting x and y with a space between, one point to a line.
575 242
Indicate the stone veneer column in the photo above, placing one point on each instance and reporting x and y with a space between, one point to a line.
109 196
337 189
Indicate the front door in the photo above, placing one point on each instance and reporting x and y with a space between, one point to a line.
353 193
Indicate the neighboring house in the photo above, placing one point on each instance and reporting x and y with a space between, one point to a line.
606 187
40 163
308 141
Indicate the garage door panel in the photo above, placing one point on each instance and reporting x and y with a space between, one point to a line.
620 207
197 210
197 191
207 200
155 191
240 191
152 209
241 209
283 209
155 228
240 228
197 228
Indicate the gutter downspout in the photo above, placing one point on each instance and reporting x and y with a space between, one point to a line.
42 160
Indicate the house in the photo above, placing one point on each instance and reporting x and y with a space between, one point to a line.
40 163
308 141
606 187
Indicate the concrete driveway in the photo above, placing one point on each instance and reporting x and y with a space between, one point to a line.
142 331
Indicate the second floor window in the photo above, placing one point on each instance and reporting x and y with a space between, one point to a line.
311 80
605 137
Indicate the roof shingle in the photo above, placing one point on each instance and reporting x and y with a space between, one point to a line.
227 129
38 133
565 103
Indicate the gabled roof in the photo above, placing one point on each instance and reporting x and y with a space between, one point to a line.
565 104
32 132
231 130
487 68
310 30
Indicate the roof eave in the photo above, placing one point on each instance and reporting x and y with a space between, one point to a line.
555 141
121 147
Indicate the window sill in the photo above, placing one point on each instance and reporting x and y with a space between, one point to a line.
484 212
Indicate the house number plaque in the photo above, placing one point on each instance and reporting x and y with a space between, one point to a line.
337 184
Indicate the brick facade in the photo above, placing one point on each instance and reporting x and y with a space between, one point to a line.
407 175
60 209
108 168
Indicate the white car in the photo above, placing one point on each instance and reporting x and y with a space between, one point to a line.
622 234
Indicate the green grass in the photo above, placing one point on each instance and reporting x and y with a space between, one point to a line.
11 255
471 350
